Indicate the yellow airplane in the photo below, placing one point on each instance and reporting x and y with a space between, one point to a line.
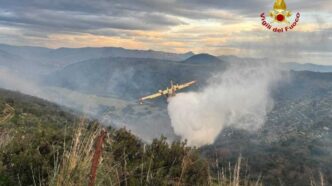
168 92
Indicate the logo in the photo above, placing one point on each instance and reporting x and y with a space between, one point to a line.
278 19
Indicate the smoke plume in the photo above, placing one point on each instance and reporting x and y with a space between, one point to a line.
240 98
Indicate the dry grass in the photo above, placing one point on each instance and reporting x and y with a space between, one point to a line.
97 156
7 113
320 182
75 166
5 138
186 162
83 158
231 176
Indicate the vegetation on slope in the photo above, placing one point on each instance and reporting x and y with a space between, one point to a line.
43 145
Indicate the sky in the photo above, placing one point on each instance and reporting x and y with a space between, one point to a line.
218 27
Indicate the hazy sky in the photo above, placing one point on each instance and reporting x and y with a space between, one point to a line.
219 27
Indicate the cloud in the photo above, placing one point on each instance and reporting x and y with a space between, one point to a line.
192 9
303 47
82 15
220 27
75 22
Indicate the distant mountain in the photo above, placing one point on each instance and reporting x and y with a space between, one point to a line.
203 59
128 77
236 59
15 63
58 58
45 60
285 66
6 55
25 51
229 58
80 54
308 67
7 59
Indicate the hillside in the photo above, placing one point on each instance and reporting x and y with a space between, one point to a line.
44 144
273 152
301 118
203 59
9 60
295 142
128 77
291 148
124 81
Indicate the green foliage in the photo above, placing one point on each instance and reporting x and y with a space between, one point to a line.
31 154
41 133
159 163
37 133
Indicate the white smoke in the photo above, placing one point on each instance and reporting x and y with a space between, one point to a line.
240 98
11 80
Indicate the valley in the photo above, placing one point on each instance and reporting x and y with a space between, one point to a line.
295 139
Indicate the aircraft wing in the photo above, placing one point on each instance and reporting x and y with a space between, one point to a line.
165 92
182 86
151 96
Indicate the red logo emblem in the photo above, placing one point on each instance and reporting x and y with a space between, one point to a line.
277 19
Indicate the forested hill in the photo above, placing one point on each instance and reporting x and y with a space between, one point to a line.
45 144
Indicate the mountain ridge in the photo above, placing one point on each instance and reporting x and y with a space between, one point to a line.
203 58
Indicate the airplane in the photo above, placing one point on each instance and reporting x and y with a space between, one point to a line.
168 92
